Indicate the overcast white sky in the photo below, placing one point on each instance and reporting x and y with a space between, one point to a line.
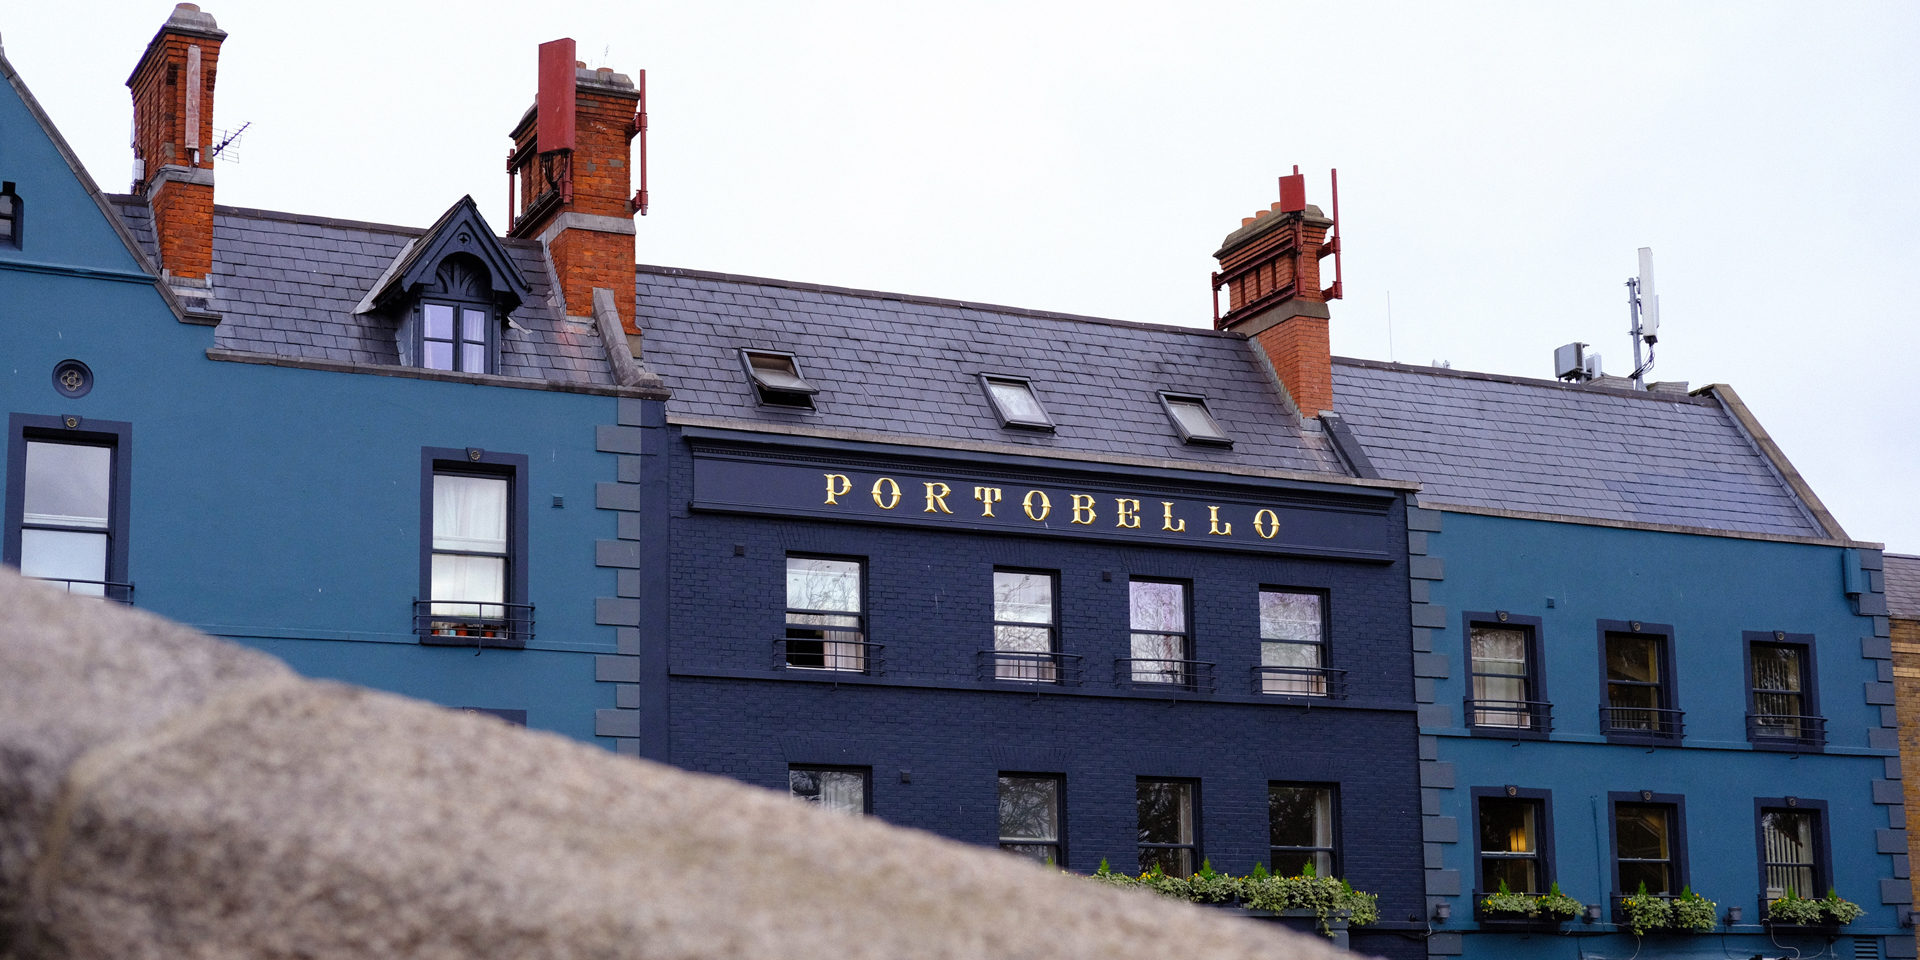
1500 163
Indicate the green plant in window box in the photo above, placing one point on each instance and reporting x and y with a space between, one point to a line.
1646 911
1560 906
1839 909
1554 905
1694 912
1796 909
1210 887
1328 898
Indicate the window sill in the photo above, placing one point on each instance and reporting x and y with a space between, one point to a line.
473 643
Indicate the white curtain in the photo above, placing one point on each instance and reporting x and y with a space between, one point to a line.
844 791
67 485
469 516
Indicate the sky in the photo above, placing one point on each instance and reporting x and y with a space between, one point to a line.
1500 163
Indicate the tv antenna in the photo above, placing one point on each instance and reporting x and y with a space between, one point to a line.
220 150
1644 305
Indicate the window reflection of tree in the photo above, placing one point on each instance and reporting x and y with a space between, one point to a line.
823 614
1159 616
1023 598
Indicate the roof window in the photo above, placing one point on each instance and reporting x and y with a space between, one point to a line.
1191 417
776 377
1014 401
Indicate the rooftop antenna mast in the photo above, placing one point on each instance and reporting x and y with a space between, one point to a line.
1644 306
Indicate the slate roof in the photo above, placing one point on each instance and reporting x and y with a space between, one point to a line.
287 285
909 366
1545 447
1903 585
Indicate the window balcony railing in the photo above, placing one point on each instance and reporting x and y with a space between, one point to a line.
1652 723
1787 729
1519 716
101 589
829 656
1149 673
1011 666
467 623
1300 682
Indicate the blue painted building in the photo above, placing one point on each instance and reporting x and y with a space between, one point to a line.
1645 654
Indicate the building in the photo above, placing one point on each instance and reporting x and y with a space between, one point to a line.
1646 654
1903 606
1088 590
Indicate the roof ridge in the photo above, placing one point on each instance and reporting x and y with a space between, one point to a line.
253 213
931 301
1689 398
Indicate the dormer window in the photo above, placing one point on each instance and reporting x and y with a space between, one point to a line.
1014 401
9 216
776 378
1192 419
453 337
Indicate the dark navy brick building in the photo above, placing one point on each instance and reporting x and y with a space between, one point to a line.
938 561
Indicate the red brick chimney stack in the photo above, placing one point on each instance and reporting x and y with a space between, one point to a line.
172 139
575 195
1270 268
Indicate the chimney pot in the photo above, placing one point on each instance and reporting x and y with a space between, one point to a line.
1257 214
1247 220
188 7
579 64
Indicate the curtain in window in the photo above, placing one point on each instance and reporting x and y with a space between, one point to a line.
1777 690
1500 676
63 536
1298 820
1788 838
1030 816
470 546
1509 847
823 615
1023 598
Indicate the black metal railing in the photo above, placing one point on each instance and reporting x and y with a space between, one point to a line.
470 623
829 656
1519 716
1787 729
102 589
1015 666
1653 723
1300 682
1153 673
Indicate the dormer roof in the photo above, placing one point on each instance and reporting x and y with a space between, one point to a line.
460 230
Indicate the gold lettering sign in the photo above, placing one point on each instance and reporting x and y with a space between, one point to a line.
1082 506
937 498
893 489
1266 523
1129 511
1046 505
835 489
1218 529
988 496
1167 521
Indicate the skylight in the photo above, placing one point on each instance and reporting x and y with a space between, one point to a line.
776 378
1014 401
1191 417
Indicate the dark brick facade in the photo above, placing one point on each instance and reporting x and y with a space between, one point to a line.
927 719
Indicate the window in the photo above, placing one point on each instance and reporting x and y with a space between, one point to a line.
1167 836
1790 850
842 789
457 318
1030 817
10 210
67 504
825 630
1783 707
1511 830
1639 685
1024 641
1300 829
1503 664
1293 649
1193 420
455 338
1649 843
1013 399
776 379
1160 638
474 577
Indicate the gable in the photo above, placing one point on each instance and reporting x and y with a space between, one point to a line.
460 233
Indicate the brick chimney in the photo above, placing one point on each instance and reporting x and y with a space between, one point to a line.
1270 268
172 136
571 180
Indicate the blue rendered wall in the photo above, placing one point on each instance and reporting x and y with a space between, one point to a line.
281 507
1710 589
929 601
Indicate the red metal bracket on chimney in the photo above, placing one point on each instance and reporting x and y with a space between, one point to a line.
638 127
1332 244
